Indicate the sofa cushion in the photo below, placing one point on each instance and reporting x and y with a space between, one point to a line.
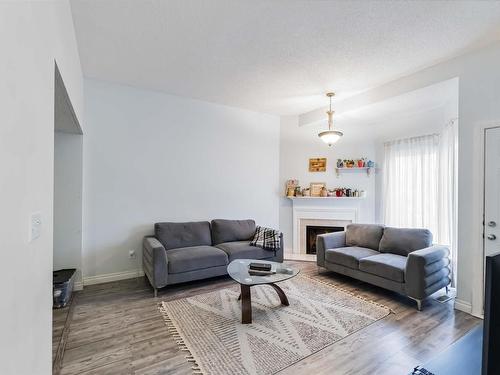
348 256
232 230
195 258
402 241
243 250
175 235
388 266
364 235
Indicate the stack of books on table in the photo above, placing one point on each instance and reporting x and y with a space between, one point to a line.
260 269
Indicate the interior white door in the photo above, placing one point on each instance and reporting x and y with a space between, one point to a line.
492 191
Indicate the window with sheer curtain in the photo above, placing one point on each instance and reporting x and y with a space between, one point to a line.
420 184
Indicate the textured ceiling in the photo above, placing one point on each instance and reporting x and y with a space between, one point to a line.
273 56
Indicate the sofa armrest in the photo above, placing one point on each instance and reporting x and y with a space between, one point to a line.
427 271
328 241
155 262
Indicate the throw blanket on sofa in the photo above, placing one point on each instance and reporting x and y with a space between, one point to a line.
266 238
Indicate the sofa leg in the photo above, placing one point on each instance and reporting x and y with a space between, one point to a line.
155 292
419 304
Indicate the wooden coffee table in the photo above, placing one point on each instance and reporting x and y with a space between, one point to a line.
238 270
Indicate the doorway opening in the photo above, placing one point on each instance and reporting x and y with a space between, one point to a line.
67 240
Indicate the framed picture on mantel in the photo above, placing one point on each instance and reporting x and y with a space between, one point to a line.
316 188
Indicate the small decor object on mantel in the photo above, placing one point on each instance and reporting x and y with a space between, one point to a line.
316 188
291 185
317 165
323 192
340 163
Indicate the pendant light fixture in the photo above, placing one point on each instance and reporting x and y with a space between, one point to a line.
330 136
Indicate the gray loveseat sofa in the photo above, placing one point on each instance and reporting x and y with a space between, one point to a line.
399 259
180 252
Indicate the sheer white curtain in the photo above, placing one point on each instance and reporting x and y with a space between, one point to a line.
420 184
447 191
411 182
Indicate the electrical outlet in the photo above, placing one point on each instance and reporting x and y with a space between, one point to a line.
131 254
35 226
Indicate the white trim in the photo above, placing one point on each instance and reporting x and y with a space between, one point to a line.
477 302
106 278
463 306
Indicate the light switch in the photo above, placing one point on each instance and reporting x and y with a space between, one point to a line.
35 225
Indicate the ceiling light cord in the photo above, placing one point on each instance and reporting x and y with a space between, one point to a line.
330 112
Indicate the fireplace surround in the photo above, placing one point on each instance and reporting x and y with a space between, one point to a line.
304 214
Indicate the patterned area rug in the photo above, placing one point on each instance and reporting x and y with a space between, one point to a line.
208 326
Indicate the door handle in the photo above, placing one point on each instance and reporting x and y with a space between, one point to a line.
492 237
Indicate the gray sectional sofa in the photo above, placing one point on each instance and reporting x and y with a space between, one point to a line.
400 259
180 252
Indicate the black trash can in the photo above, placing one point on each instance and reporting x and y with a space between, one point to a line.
63 281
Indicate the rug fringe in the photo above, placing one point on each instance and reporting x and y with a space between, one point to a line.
172 329
391 311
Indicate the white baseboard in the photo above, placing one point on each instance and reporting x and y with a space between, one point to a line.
463 306
78 285
108 277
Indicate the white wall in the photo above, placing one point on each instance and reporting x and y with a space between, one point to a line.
152 157
32 35
68 202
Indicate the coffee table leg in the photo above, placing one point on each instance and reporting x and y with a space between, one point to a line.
281 294
246 304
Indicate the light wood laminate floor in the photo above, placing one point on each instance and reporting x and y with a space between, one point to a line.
116 328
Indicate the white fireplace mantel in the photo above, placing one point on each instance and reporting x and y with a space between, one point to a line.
330 211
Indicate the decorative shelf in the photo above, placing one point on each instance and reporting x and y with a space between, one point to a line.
324 198
368 170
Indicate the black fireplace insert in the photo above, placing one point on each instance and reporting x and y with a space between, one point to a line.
312 231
